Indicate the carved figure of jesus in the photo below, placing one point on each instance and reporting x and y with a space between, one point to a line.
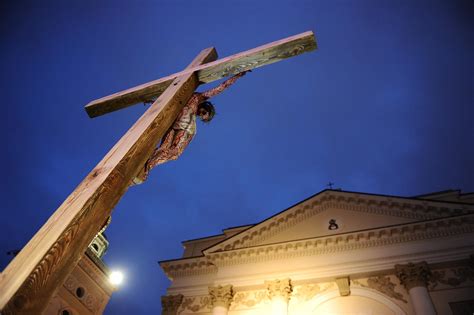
183 130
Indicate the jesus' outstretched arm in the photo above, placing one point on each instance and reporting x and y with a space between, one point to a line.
224 85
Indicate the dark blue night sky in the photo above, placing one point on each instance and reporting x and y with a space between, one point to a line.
384 106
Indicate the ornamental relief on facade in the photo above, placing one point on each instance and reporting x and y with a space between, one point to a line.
451 277
387 285
256 298
248 299
196 304
279 288
304 293
221 295
171 303
241 300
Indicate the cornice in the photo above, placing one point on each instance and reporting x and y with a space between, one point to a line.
350 241
399 207
189 267
403 233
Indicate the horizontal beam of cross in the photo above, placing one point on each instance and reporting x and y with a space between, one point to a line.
250 59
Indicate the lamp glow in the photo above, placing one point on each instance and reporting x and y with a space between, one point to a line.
116 277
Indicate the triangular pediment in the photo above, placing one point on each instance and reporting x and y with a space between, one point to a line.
333 212
332 221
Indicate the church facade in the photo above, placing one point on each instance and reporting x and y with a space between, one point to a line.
336 252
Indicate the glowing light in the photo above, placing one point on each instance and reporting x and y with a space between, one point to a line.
116 277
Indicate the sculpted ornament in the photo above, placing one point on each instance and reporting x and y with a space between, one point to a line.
279 288
308 291
248 299
413 275
190 304
383 285
221 295
459 276
171 303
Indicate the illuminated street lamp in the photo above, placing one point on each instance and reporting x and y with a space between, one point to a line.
116 277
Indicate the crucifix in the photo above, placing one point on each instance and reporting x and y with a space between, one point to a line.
33 276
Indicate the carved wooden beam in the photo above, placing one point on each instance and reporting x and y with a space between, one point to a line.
250 59
29 281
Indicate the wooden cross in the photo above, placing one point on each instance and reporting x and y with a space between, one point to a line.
30 280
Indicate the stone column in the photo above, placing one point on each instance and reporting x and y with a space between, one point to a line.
221 297
170 304
279 292
415 279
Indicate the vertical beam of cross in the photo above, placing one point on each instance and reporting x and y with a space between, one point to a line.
30 280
